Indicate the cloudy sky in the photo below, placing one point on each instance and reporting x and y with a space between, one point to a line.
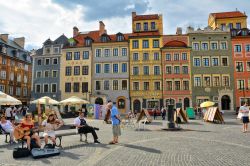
38 20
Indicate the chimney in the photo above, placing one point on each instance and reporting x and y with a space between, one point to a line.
20 41
75 31
190 29
4 37
102 29
133 14
179 31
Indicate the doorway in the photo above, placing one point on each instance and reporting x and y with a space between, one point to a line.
225 102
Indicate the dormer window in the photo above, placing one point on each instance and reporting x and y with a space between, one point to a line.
14 52
71 43
120 37
244 33
104 38
87 42
47 50
233 33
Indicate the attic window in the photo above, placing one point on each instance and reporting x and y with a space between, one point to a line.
120 38
71 43
47 50
233 33
244 33
14 52
104 38
87 42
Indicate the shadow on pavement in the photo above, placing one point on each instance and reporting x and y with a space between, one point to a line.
72 155
85 145
151 150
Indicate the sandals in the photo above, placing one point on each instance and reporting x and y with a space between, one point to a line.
112 142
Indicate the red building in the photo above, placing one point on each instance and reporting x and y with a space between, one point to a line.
176 71
241 61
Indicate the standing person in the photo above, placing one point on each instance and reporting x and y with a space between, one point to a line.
245 116
8 127
154 112
8 113
116 120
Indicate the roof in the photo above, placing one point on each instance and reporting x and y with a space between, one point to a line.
146 17
228 14
175 43
61 40
135 34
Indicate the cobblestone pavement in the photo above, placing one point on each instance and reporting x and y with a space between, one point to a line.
199 143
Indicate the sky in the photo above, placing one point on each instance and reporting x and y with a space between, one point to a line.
38 20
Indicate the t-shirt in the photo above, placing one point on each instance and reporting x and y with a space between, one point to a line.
8 112
7 125
78 121
49 127
114 111
245 110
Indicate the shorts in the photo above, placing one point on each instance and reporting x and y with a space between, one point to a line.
245 119
50 134
116 130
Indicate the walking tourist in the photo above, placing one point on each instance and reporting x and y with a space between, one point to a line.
245 116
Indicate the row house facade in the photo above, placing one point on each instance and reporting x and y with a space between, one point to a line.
241 62
212 67
15 68
46 69
145 62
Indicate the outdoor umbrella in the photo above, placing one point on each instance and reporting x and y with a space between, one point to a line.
207 104
8 100
73 100
45 100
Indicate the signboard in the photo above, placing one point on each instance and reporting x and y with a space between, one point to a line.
213 115
142 114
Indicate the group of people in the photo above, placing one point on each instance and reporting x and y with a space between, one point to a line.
11 111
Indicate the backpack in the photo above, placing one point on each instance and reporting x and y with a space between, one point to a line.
20 152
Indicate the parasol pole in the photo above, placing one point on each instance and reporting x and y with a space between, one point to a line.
39 114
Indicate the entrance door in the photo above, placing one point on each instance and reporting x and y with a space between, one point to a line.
225 102
137 106
121 104
186 103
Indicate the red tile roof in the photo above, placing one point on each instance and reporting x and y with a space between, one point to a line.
146 17
228 14
175 43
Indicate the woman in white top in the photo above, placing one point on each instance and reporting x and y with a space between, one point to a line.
50 125
245 116
8 127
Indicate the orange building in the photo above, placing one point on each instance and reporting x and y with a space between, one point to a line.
241 60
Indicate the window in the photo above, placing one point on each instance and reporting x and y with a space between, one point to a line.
225 80
2 88
207 81
146 70
106 68
39 62
196 46
185 69
184 56
67 87
238 25
54 73
156 44
176 57
120 38
157 86
248 66
76 55
239 67
168 69
106 85
156 56
223 45
124 68
11 90
45 88
223 27
135 44
135 70
176 69
145 44
197 81
185 85
244 32
46 74
106 52
138 26
240 84
53 88
206 62
146 85
98 52
85 87
47 61
135 85
124 51
145 26
85 70
115 52
124 85
157 70
224 62
214 46
56 50
38 88
145 56
230 25
152 25
12 63
135 56
18 91
25 91
76 87
55 61
115 68
38 75
204 46
216 81
68 71
104 38
215 61
76 70
68 56
98 85
169 85
87 42
115 85
247 47
177 85
168 57
237 48
85 55
4 61
97 68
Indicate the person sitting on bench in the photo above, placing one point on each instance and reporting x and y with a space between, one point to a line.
7 127
83 127
50 125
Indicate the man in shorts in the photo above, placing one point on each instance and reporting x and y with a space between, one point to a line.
245 116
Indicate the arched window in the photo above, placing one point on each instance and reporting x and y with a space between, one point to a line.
121 104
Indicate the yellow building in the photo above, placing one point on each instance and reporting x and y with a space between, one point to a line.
145 62
235 19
